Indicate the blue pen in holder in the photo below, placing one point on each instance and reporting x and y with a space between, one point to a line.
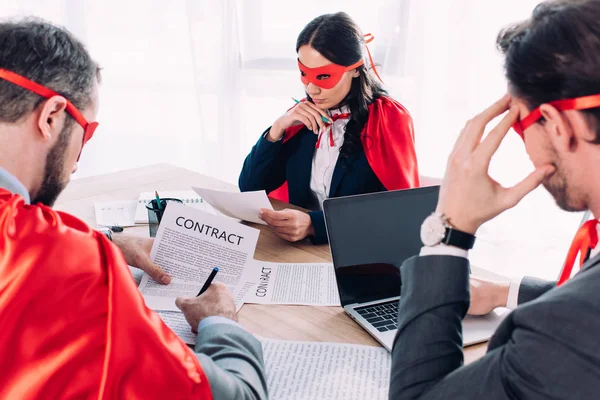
155 214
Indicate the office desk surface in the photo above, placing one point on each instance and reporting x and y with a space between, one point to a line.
323 324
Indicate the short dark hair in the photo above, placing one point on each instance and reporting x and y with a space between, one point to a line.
555 54
339 39
48 55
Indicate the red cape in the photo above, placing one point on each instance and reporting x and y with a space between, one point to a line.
389 142
74 324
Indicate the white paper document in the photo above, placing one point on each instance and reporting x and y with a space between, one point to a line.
309 370
188 197
115 213
176 321
244 205
189 244
297 284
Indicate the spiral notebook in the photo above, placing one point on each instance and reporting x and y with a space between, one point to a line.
189 198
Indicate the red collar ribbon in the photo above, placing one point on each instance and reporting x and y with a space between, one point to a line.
334 118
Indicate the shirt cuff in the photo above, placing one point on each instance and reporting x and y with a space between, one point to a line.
267 134
513 293
216 320
443 250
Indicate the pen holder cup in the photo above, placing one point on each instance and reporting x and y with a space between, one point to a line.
155 215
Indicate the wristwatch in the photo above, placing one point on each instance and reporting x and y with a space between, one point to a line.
106 232
436 230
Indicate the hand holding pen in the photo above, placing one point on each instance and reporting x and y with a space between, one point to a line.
304 113
216 300
212 275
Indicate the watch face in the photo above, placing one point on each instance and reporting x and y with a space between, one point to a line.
432 230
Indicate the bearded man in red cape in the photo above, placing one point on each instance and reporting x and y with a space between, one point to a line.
74 324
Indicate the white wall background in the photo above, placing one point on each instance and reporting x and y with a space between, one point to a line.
194 82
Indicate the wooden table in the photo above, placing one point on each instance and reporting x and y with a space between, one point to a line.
321 324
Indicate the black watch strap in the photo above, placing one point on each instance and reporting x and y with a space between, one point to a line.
460 239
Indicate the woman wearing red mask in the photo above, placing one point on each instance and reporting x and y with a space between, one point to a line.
346 137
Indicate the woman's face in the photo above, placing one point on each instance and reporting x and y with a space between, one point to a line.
325 98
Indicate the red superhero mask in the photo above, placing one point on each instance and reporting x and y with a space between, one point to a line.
579 103
88 127
327 76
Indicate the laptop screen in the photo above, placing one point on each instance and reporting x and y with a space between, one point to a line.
370 237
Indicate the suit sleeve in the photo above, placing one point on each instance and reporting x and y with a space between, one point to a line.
428 344
318 221
532 288
265 166
427 356
232 361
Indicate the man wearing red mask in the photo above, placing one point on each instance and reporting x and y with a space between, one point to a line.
547 348
73 322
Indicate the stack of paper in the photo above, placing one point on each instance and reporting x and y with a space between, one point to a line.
309 370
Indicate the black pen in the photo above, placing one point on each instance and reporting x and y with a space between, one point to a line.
208 281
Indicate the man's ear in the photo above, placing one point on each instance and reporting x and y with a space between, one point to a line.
558 128
52 117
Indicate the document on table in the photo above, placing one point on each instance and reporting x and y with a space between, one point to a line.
244 205
115 213
294 284
189 244
309 370
176 321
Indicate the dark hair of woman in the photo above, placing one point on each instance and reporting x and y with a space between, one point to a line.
338 38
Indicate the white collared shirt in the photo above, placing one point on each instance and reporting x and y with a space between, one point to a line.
326 156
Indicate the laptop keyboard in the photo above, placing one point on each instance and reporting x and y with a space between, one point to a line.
383 316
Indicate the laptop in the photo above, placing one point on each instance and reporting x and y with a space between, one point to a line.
370 235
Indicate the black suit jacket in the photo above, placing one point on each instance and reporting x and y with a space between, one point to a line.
532 288
548 348
269 165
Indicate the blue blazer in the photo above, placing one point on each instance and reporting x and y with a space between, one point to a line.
269 165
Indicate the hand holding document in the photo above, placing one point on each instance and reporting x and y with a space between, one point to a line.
189 245
308 370
244 205
297 284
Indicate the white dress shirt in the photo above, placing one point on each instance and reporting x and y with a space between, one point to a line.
515 283
326 156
